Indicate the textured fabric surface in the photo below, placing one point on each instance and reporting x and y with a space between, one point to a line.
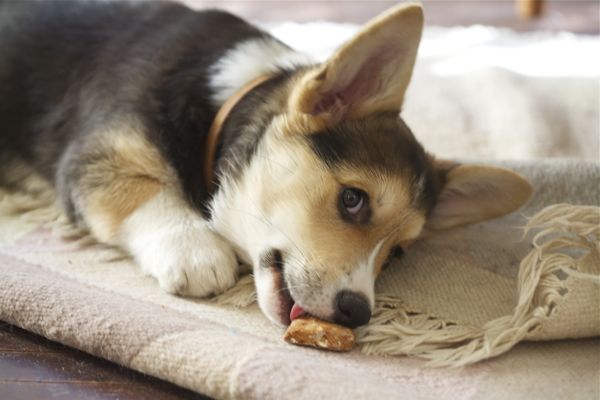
226 363
93 298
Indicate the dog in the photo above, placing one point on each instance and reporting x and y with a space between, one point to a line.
197 143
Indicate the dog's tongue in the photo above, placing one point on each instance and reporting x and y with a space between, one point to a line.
296 312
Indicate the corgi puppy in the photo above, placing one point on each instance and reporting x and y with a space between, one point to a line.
197 142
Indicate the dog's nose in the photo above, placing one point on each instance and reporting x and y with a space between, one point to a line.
351 309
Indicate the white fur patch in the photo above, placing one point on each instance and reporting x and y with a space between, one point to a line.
238 215
268 296
249 60
175 244
362 279
320 301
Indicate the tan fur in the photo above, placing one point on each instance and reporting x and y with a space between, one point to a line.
301 190
474 193
132 172
331 246
107 208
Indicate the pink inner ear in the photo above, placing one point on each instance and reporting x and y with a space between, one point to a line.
365 84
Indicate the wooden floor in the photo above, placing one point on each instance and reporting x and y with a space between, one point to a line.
33 368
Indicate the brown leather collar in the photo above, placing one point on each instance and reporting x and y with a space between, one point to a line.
214 133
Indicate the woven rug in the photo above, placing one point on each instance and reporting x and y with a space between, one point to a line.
455 299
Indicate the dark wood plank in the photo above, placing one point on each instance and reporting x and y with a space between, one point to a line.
32 367
64 366
34 390
87 391
24 342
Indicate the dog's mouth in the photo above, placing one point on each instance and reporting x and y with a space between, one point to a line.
288 308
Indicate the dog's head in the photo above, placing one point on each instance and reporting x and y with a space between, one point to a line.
340 184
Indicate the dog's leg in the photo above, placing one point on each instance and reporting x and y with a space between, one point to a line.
176 245
118 185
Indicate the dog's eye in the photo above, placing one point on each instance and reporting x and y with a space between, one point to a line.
353 205
353 200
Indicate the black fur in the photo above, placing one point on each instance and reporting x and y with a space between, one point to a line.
247 123
68 66
381 142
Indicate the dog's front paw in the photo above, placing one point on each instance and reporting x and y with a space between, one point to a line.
189 260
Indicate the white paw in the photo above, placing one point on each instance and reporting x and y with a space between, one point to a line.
191 262
187 259
175 245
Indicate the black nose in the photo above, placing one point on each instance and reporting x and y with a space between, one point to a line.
351 309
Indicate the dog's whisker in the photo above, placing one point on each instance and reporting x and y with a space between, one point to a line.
270 224
263 219
301 261
288 288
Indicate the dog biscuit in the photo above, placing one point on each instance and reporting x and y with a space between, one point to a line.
310 331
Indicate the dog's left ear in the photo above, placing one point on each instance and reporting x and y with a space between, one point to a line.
368 74
474 193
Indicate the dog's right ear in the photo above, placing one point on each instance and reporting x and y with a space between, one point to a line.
475 193
368 74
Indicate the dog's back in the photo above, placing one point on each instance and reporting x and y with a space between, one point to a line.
49 49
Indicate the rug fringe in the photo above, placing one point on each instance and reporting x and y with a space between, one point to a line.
40 208
242 294
396 331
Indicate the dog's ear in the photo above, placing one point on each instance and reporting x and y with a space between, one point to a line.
473 193
369 73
